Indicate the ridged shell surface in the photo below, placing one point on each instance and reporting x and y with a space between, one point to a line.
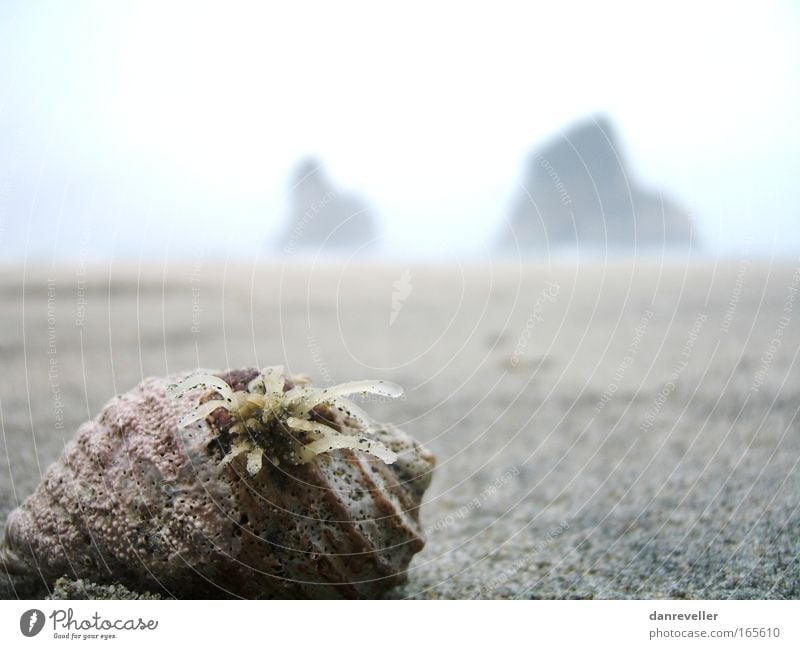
136 499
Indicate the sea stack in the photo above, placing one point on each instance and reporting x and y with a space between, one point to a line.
578 190
322 218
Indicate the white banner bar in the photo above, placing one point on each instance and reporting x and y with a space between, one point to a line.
401 624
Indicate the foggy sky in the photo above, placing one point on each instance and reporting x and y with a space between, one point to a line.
139 129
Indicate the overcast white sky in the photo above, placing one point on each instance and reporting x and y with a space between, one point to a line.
128 127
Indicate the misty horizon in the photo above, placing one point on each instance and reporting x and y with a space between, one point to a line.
116 143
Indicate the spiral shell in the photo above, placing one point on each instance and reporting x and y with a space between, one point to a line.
212 508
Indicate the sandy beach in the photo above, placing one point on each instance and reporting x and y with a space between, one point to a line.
615 430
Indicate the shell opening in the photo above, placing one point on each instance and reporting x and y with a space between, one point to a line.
265 403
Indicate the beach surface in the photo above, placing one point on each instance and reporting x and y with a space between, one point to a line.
611 430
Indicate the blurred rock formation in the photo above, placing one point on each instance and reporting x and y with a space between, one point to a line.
322 218
578 189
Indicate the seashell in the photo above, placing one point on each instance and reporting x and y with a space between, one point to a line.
238 483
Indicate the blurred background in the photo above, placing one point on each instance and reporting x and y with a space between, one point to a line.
158 130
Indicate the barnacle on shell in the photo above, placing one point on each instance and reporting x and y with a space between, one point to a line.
266 403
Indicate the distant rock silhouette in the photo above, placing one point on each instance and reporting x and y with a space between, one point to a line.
578 189
322 218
